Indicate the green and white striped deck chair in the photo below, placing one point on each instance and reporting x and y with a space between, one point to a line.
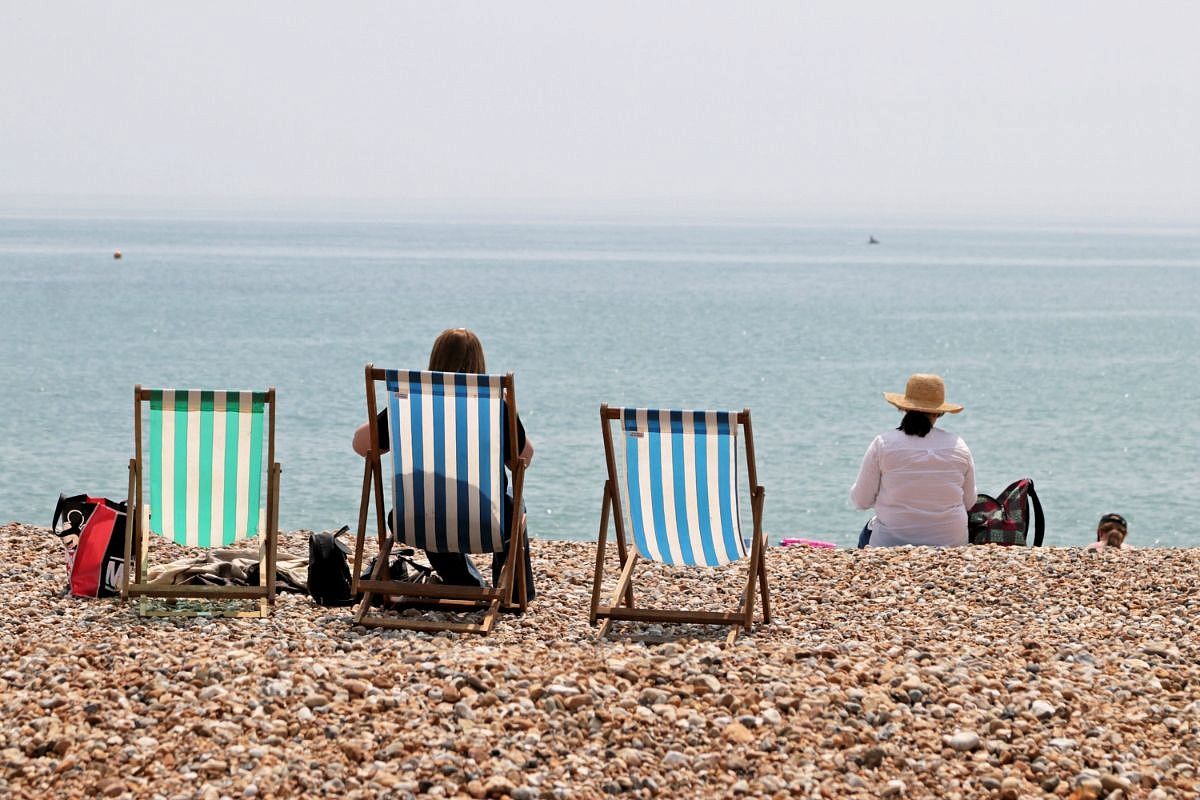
448 451
680 493
203 480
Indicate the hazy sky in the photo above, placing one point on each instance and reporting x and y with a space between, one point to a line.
1052 109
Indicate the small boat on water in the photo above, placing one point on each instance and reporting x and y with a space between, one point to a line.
872 240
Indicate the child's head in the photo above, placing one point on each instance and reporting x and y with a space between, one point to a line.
457 350
1112 530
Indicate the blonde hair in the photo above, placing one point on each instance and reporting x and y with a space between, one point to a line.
457 350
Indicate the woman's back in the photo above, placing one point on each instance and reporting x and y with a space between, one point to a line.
921 496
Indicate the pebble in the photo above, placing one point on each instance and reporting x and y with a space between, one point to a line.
1112 783
963 740
1088 788
1042 710
498 786
738 733
858 687
873 757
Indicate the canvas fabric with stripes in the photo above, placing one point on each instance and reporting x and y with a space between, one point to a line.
681 485
205 465
448 456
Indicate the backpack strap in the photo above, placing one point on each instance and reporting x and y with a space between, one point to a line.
1039 519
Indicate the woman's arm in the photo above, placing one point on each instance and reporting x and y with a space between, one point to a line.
362 437
525 455
866 488
362 440
969 493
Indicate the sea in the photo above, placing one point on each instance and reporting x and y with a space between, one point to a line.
1075 349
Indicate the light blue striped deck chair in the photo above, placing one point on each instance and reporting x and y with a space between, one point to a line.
446 463
678 489
210 484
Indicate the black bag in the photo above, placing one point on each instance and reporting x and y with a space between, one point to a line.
328 569
94 535
1005 519
329 581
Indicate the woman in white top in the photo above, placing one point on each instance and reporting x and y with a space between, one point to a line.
919 478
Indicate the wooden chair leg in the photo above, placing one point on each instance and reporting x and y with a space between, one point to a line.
622 589
764 591
489 618
747 605
511 570
601 542
376 574
273 535
130 530
522 577
361 533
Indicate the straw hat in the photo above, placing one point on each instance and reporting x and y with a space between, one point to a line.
923 393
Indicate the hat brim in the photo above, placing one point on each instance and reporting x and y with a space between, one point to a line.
905 404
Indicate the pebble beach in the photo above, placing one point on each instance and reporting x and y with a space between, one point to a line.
977 672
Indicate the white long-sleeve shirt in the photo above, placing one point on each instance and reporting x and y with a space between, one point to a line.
919 486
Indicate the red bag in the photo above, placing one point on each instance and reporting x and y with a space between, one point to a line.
96 564
1004 520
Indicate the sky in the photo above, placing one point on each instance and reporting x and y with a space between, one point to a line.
1044 110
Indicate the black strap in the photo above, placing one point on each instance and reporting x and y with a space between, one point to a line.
1039 519
62 498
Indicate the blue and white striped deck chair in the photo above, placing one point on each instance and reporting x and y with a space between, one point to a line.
210 465
447 453
678 489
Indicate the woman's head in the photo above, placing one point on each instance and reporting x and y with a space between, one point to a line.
457 350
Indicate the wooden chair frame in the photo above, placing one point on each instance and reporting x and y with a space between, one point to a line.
620 605
436 597
137 540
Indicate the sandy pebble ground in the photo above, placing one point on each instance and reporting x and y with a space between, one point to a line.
981 672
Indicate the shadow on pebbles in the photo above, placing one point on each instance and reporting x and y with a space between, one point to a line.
981 672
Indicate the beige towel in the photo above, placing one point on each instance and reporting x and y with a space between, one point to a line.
231 567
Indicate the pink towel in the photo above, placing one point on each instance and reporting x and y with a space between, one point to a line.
794 542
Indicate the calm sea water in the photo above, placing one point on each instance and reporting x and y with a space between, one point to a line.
1075 351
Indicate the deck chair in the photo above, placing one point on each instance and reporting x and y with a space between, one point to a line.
206 473
680 492
446 465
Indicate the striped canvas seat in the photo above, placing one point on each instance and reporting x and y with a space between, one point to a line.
448 449
681 485
204 476
448 477
678 498
205 466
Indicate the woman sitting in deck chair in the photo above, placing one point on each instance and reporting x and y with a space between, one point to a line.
456 350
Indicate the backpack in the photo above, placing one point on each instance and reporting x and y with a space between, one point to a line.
329 581
1004 519
328 570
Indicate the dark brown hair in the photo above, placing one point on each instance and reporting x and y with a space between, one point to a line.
457 350
915 423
